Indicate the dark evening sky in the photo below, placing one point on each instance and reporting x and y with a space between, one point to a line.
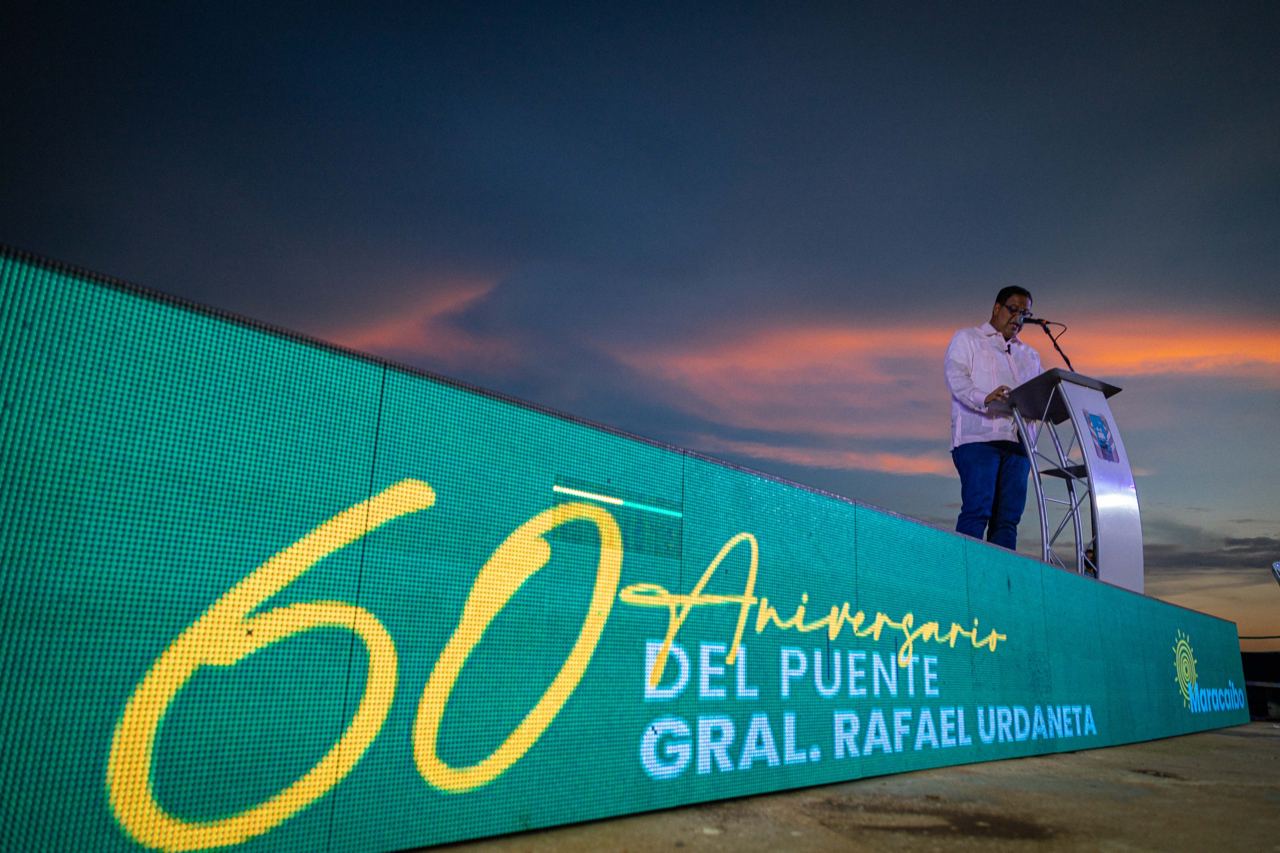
745 229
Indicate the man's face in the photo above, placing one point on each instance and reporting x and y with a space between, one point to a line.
1007 318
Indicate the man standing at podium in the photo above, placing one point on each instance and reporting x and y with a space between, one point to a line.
984 363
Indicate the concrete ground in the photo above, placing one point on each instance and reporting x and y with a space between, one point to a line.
1211 791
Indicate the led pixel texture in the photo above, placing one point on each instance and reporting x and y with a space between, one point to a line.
263 594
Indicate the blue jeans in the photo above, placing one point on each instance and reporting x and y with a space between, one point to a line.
993 490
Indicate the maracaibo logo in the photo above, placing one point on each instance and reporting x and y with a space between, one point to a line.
1196 699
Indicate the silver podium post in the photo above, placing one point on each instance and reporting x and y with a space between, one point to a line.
1071 438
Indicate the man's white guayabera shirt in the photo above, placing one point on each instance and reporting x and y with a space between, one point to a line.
979 360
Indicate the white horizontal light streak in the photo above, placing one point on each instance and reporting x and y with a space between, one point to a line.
591 496
610 499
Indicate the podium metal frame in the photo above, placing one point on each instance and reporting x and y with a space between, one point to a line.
1082 478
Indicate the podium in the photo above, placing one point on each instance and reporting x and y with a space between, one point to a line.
1083 482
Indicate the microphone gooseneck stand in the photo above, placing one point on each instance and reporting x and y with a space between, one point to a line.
1054 339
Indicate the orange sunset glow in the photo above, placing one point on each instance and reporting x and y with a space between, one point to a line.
424 329
860 382
747 234
892 463
1170 344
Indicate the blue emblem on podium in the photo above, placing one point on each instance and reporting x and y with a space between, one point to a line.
1103 443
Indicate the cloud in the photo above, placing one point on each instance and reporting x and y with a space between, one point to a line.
1169 558
936 464
828 380
876 382
1237 346
1226 576
787 387
429 328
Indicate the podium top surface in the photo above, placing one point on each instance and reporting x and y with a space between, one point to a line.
1035 396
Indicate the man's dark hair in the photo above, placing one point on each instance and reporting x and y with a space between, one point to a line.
1012 290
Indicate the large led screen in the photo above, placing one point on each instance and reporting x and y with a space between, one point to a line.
263 594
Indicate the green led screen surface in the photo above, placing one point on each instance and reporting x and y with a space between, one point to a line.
262 594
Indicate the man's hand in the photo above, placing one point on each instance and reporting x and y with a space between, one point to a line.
1001 394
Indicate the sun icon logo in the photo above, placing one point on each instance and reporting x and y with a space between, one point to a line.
1184 666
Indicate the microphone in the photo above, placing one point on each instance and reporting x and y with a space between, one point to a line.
1045 324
